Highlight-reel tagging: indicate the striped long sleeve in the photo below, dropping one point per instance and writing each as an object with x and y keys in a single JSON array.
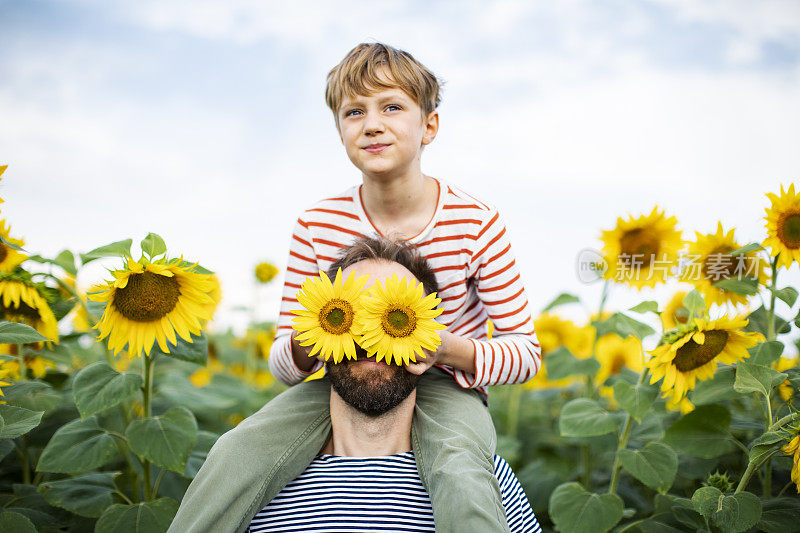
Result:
[{"x": 466, "y": 245}]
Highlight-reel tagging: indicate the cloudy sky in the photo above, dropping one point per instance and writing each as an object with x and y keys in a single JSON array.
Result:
[{"x": 205, "y": 122}]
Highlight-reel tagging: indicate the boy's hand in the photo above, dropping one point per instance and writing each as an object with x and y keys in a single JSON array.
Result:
[
  {"x": 431, "y": 358},
  {"x": 300, "y": 354}
]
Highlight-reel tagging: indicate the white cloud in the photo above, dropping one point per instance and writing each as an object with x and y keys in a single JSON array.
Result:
[{"x": 560, "y": 144}]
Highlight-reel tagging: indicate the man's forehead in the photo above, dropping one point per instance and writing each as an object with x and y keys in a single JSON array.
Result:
[{"x": 378, "y": 269}]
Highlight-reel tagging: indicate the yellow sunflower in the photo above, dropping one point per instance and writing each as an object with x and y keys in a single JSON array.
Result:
[
  {"x": 266, "y": 272},
  {"x": 641, "y": 251},
  {"x": 695, "y": 353},
  {"x": 22, "y": 301},
  {"x": 793, "y": 448},
  {"x": 9, "y": 257},
  {"x": 785, "y": 389},
  {"x": 711, "y": 262},
  {"x": 684, "y": 405},
  {"x": 675, "y": 314},
  {"x": 327, "y": 320},
  {"x": 4, "y": 371},
  {"x": 397, "y": 321},
  {"x": 151, "y": 302},
  {"x": 783, "y": 226},
  {"x": 553, "y": 332},
  {"x": 616, "y": 353}
]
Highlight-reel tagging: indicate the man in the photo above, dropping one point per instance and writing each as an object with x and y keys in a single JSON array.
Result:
[{"x": 365, "y": 478}]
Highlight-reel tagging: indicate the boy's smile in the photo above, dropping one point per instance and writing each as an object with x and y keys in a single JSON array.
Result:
[{"x": 383, "y": 133}]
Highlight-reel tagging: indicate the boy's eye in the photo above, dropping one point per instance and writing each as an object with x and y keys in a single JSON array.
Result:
[
  {"x": 393, "y": 106},
  {"x": 348, "y": 113}
]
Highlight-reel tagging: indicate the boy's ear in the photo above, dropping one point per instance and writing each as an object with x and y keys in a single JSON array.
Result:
[{"x": 431, "y": 127}]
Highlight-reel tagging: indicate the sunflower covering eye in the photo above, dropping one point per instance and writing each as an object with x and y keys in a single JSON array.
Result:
[
  {"x": 394, "y": 322},
  {"x": 397, "y": 321},
  {"x": 328, "y": 319}
]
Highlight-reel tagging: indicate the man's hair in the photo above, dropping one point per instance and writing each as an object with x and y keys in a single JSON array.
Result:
[
  {"x": 383, "y": 249},
  {"x": 359, "y": 74}
]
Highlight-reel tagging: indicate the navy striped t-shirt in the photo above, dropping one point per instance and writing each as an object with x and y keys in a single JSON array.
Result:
[{"x": 365, "y": 494}]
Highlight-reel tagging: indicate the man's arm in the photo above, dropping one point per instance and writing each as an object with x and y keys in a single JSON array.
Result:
[{"x": 288, "y": 361}]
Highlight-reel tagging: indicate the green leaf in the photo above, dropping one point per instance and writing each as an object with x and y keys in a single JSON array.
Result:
[
  {"x": 765, "y": 353},
  {"x": 18, "y": 421},
  {"x": 86, "y": 495},
  {"x": 194, "y": 268},
  {"x": 16, "y": 333},
  {"x": 32, "y": 394},
  {"x": 732, "y": 513},
  {"x": 756, "y": 378},
  {"x": 6, "y": 445},
  {"x": 585, "y": 418},
  {"x": 98, "y": 387},
  {"x": 153, "y": 245},
  {"x": 115, "y": 249},
  {"x": 635, "y": 399},
  {"x": 66, "y": 260},
  {"x": 561, "y": 363},
  {"x": 757, "y": 321},
  {"x": 648, "y": 306},
  {"x": 561, "y": 299},
  {"x": 165, "y": 440},
  {"x": 205, "y": 440},
  {"x": 11, "y": 245},
  {"x": 146, "y": 517},
  {"x": 779, "y": 515},
  {"x": 764, "y": 444},
  {"x": 744, "y": 285},
  {"x": 655, "y": 465},
  {"x": 574, "y": 510},
  {"x": 752, "y": 247},
  {"x": 701, "y": 433},
  {"x": 76, "y": 447},
  {"x": 624, "y": 326},
  {"x": 11, "y": 522},
  {"x": 787, "y": 295},
  {"x": 193, "y": 352},
  {"x": 694, "y": 303},
  {"x": 717, "y": 389}
]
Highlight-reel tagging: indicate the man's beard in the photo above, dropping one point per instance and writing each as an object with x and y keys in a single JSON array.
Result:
[{"x": 372, "y": 391}]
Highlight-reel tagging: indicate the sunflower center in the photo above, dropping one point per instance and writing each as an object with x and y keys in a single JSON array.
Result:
[
  {"x": 789, "y": 230},
  {"x": 3, "y": 252},
  {"x": 617, "y": 363},
  {"x": 399, "y": 321},
  {"x": 719, "y": 264},
  {"x": 638, "y": 248},
  {"x": 24, "y": 313},
  {"x": 147, "y": 297},
  {"x": 336, "y": 316},
  {"x": 692, "y": 355}
]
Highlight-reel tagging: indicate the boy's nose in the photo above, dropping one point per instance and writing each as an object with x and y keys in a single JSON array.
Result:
[{"x": 372, "y": 125}]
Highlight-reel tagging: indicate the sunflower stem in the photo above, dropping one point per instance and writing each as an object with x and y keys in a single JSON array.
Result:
[
  {"x": 22, "y": 452},
  {"x": 624, "y": 435},
  {"x": 513, "y": 411},
  {"x": 23, "y": 369},
  {"x": 146, "y": 412},
  {"x": 752, "y": 468},
  {"x": 158, "y": 482},
  {"x": 771, "y": 312}
]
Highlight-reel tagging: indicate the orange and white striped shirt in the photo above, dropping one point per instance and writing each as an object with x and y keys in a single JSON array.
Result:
[{"x": 467, "y": 246}]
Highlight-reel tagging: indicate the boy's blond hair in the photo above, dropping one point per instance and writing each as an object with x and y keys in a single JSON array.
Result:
[{"x": 358, "y": 74}]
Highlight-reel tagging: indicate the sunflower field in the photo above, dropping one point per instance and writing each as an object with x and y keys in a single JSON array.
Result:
[{"x": 656, "y": 418}]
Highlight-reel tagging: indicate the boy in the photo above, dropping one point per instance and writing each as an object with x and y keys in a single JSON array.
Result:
[{"x": 384, "y": 105}]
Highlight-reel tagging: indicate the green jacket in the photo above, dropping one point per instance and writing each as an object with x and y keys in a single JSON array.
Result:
[{"x": 250, "y": 464}]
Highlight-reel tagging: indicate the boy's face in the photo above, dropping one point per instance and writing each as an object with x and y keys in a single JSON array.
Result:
[{"x": 384, "y": 133}]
